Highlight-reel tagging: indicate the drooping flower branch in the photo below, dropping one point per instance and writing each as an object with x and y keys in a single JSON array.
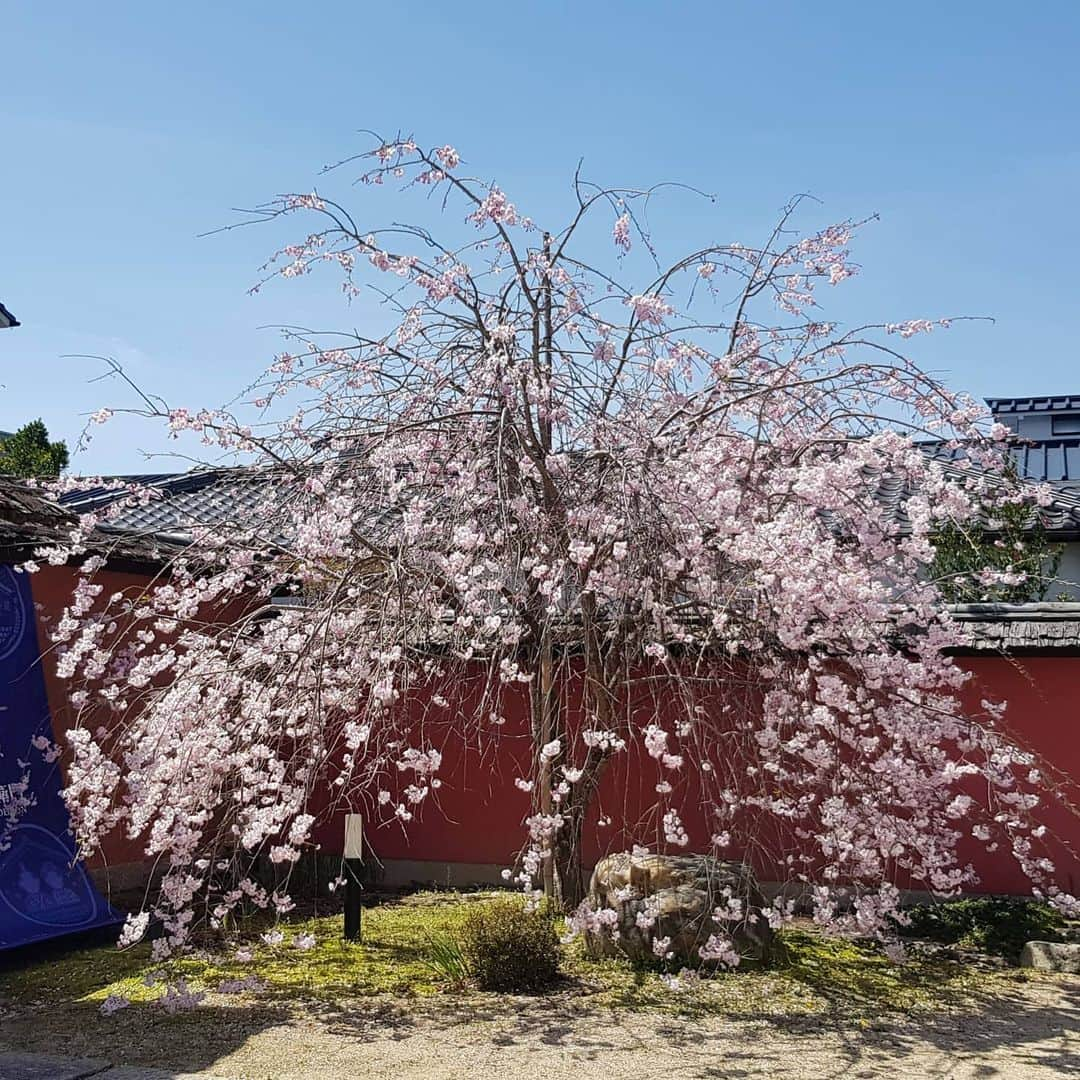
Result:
[{"x": 682, "y": 523}]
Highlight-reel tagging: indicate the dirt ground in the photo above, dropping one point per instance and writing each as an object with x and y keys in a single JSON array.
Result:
[{"x": 1031, "y": 1031}]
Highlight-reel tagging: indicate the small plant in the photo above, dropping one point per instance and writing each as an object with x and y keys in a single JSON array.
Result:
[
  {"x": 997, "y": 925},
  {"x": 446, "y": 959},
  {"x": 509, "y": 945}
]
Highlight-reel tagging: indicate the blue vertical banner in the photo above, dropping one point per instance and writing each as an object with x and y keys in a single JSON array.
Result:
[{"x": 44, "y": 892}]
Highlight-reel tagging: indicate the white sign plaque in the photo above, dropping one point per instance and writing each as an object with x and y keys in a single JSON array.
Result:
[{"x": 354, "y": 836}]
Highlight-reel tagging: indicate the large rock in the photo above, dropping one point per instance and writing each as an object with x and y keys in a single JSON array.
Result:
[
  {"x": 681, "y": 893},
  {"x": 1051, "y": 956}
]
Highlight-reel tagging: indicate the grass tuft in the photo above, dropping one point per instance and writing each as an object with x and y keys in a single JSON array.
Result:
[{"x": 446, "y": 959}]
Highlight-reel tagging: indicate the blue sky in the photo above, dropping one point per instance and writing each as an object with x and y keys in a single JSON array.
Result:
[{"x": 129, "y": 129}]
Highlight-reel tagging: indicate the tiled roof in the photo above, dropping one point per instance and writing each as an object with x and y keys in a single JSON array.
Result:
[
  {"x": 1021, "y": 627},
  {"x": 1040, "y": 403},
  {"x": 30, "y": 519},
  {"x": 1060, "y": 519},
  {"x": 175, "y": 505},
  {"x": 1051, "y": 461},
  {"x": 180, "y": 502},
  {"x": 209, "y": 497}
]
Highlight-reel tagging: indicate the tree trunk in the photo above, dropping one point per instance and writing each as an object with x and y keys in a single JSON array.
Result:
[
  {"x": 573, "y": 879},
  {"x": 564, "y": 875},
  {"x": 548, "y": 725}
]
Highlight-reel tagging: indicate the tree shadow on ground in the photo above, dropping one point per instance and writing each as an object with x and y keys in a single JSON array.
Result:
[
  {"x": 1030, "y": 1019},
  {"x": 1010, "y": 1032},
  {"x": 1004, "y": 1035},
  {"x": 1014, "y": 1033},
  {"x": 1000, "y": 1023},
  {"x": 140, "y": 1035}
]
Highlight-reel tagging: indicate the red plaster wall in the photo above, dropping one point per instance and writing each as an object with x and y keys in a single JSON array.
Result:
[
  {"x": 52, "y": 588},
  {"x": 480, "y": 813},
  {"x": 477, "y": 815},
  {"x": 1043, "y": 715}
]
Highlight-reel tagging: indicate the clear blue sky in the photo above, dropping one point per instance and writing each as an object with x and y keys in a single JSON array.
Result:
[{"x": 130, "y": 128}]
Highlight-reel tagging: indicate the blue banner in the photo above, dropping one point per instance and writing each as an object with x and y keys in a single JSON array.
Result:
[{"x": 43, "y": 892}]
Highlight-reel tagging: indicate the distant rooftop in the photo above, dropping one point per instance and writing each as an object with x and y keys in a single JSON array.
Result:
[
  {"x": 1044, "y": 403},
  {"x": 1042, "y": 461},
  {"x": 1054, "y": 461},
  {"x": 177, "y": 503},
  {"x": 1048, "y": 416}
]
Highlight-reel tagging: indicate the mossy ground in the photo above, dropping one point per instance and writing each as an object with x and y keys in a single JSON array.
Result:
[{"x": 812, "y": 975}]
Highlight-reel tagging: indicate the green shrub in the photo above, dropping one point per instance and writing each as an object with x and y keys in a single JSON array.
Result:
[
  {"x": 998, "y": 925},
  {"x": 510, "y": 946}
]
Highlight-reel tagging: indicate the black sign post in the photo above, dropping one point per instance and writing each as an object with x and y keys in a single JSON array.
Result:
[{"x": 354, "y": 850}]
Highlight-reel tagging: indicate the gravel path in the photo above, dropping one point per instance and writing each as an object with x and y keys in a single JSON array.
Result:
[{"x": 1031, "y": 1032}]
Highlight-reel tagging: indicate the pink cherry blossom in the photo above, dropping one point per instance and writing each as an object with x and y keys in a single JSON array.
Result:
[
  {"x": 621, "y": 232},
  {"x": 633, "y": 530}
]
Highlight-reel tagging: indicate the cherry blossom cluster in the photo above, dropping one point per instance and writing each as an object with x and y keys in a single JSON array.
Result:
[{"x": 648, "y": 512}]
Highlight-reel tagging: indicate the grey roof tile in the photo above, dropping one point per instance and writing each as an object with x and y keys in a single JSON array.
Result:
[
  {"x": 182, "y": 501},
  {"x": 177, "y": 503},
  {"x": 1055, "y": 462},
  {"x": 1015, "y": 627}
]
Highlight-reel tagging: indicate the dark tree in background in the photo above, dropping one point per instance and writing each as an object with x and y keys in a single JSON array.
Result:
[{"x": 28, "y": 453}]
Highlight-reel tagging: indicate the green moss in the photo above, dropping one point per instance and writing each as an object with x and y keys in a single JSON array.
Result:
[
  {"x": 392, "y": 959},
  {"x": 858, "y": 977},
  {"x": 71, "y": 976},
  {"x": 812, "y": 974}
]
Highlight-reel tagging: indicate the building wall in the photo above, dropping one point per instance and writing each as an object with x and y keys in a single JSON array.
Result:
[
  {"x": 473, "y": 826},
  {"x": 1068, "y": 573},
  {"x": 52, "y": 588},
  {"x": 1043, "y": 425},
  {"x": 477, "y": 828},
  {"x": 1043, "y": 715}
]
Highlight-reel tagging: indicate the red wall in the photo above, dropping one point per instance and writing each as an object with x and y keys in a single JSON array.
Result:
[
  {"x": 1043, "y": 715},
  {"x": 480, "y": 814},
  {"x": 52, "y": 590},
  {"x": 477, "y": 815}
]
